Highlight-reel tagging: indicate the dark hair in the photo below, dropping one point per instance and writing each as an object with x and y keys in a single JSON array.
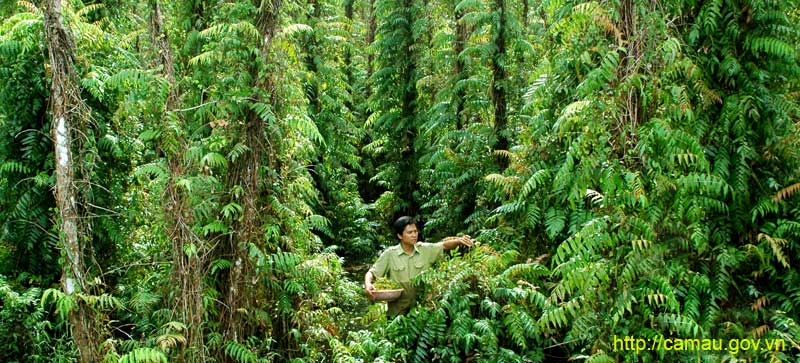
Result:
[{"x": 400, "y": 224}]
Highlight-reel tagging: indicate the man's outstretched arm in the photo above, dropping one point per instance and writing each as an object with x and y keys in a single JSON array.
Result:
[{"x": 453, "y": 242}]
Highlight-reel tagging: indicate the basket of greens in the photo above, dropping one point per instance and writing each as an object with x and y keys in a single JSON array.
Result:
[{"x": 386, "y": 290}]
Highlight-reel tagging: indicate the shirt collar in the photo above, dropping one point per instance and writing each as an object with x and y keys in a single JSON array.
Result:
[{"x": 401, "y": 251}]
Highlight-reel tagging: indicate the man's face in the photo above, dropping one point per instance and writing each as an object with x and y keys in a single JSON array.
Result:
[{"x": 409, "y": 236}]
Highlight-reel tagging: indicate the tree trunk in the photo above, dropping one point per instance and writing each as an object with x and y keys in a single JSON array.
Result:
[
  {"x": 313, "y": 50},
  {"x": 466, "y": 199},
  {"x": 458, "y": 68},
  {"x": 409, "y": 172},
  {"x": 499, "y": 84},
  {"x": 187, "y": 268},
  {"x": 161, "y": 42},
  {"x": 372, "y": 28},
  {"x": 245, "y": 173},
  {"x": 348, "y": 56},
  {"x": 632, "y": 116},
  {"x": 525, "y": 10},
  {"x": 68, "y": 108}
]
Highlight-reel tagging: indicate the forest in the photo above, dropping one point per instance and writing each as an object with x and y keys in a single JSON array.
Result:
[{"x": 208, "y": 181}]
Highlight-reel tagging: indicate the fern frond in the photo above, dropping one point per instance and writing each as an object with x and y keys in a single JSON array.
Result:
[
  {"x": 680, "y": 324},
  {"x": 220, "y": 264},
  {"x": 144, "y": 355},
  {"x": 671, "y": 49},
  {"x": 770, "y": 46},
  {"x": 13, "y": 166},
  {"x": 84, "y": 11},
  {"x": 777, "y": 247},
  {"x": 595, "y": 197},
  {"x": 705, "y": 184},
  {"x": 535, "y": 181},
  {"x": 508, "y": 183},
  {"x": 568, "y": 114},
  {"x": 759, "y": 303},
  {"x": 170, "y": 340},
  {"x": 240, "y": 353},
  {"x": 786, "y": 192},
  {"x": 306, "y": 127},
  {"x": 214, "y": 160},
  {"x": 600, "y": 15},
  {"x": 296, "y": 28},
  {"x": 27, "y": 5},
  {"x": 205, "y": 58},
  {"x": 763, "y": 208}
]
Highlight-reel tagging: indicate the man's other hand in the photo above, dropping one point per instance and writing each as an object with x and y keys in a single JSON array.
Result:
[{"x": 370, "y": 289}]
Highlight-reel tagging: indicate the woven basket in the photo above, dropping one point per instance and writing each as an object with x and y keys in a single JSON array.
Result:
[{"x": 387, "y": 295}]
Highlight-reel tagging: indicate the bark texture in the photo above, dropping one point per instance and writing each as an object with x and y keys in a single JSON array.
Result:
[
  {"x": 458, "y": 68},
  {"x": 69, "y": 112},
  {"x": 632, "y": 39},
  {"x": 498, "y": 84},
  {"x": 241, "y": 297},
  {"x": 187, "y": 268}
]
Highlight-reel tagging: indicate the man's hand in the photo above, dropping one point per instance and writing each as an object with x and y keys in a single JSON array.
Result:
[
  {"x": 368, "y": 287},
  {"x": 370, "y": 290},
  {"x": 453, "y": 242}
]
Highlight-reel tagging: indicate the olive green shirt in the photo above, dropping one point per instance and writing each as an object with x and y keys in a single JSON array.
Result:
[{"x": 401, "y": 268}]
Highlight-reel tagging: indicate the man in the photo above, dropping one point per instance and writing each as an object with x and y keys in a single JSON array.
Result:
[{"x": 406, "y": 260}]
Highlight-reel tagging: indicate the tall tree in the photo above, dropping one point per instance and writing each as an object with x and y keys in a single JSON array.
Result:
[
  {"x": 247, "y": 174},
  {"x": 459, "y": 71},
  {"x": 187, "y": 248},
  {"x": 69, "y": 113},
  {"x": 372, "y": 28},
  {"x": 395, "y": 100},
  {"x": 328, "y": 85},
  {"x": 500, "y": 83}
]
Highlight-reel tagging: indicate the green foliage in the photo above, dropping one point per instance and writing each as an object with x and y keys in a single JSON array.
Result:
[
  {"x": 341, "y": 221},
  {"x": 659, "y": 210},
  {"x": 26, "y": 229},
  {"x": 633, "y": 166},
  {"x": 27, "y": 181},
  {"x": 143, "y": 355},
  {"x": 393, "y": 125},
  {"x": 240, "y": 353},
  {"x": 481, "y": 305},
  {"x": 27, "y": 332}
]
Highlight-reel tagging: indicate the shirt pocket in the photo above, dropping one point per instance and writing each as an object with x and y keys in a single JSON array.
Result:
[{"x": 399, "y": 272}]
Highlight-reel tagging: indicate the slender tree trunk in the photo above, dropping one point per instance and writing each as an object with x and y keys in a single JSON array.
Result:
[
  {"x": 69, "y": 111},
  {"x": 315, "y": 104},
  {"x": 348, "y": 57},
  {"x": 458, "y": 68},
  {"x": 187, "y": 268},
  {"x": 499, "y": 84},
  {"x": 247, "y": 230},
  {"x": 240, "y": 296},
  {"x": 372, "y": 28},
  {"x": 632, "y": 116},
  {"x": 410, "y": 170},
  {"x": 466, "y": 199},
  {"x": 161, "y": 41},
  {"x": 525, "y": 10}
]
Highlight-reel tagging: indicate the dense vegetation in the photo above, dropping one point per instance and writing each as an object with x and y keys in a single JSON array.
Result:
[{"x": 203, "y": 181}]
